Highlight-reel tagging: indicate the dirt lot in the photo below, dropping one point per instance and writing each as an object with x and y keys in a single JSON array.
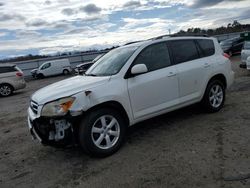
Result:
[{"x": 185, "y": 148}]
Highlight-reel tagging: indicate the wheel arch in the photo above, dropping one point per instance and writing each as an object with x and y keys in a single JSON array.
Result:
[
  {"x": 5, "y": 83},
  {"x": 220, "y": 77},
  {"x": 112, "y": 104}
]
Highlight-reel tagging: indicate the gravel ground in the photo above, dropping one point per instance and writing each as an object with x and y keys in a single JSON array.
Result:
[{"x": 185, "y": 148}]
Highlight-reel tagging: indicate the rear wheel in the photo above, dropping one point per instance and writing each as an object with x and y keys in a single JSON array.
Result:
[
  {"x": 102, "y": 132},
  {"x": 214, "y": 97},
  {"x": 65, "y": 71},
  {"x": 6, "y": 90}
]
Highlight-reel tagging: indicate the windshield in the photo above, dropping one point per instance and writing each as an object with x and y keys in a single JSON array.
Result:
[
  {"x": 226, "y": 42},
  {"x": 112, "y": 62},
  {"x": 247, "y": 45}
]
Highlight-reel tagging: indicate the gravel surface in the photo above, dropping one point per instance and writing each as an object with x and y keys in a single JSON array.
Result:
[{"x": 185, "y": 148}]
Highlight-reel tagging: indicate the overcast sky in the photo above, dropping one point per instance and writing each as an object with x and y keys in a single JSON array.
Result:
[{"x": 49, "y": 26}]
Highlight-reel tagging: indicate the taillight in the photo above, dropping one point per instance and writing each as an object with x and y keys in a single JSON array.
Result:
[
  {"x": 226, "y": 55},
  {"x": 19, "y": 74}
]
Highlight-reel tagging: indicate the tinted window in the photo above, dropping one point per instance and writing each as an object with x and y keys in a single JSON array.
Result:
[
  {"x": 184, "y": 50},
  {"x": 7, "y": 69},
  {"x": 154, "y": 57},
  {"x": 206, "y": 47}
]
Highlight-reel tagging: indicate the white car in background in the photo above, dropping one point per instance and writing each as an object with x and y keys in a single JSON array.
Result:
[
  {"x": 11, "y": 79},
  {"x": 245, "y": 53},
  {"x": 53, "y": 67},
  {"x": 127, "y": 85}
]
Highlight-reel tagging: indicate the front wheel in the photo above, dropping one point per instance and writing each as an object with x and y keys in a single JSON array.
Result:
[
  {"x": 214, "y": 97},
  {"x": 102, "y": 132}
]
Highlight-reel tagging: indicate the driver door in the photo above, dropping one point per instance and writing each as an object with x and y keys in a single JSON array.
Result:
[{"x": 157, "y": 89}]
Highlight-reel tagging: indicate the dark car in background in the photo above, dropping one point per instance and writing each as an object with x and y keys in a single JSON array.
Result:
[
  {"x": 232, "y": 46},
  {"x": 83, "y": 67}
]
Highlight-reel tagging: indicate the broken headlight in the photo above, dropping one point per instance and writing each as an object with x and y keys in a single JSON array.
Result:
[{"x": 58, "y": 108}]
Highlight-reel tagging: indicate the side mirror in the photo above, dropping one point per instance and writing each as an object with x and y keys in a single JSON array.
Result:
[{"x": 139, "y": 69}]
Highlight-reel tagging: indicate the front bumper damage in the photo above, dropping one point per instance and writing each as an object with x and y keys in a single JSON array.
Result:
[{"x": 54, "y": 131}]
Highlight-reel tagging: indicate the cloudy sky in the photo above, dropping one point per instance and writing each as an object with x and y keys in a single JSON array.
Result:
[{"x": 49, "y": 26}]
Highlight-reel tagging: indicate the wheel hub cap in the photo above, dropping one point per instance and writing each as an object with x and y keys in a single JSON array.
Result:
[
  {"x": 105, "y": 132},
  {"x": 5, "y": 90},
  {"x": 216, "y": 96}
]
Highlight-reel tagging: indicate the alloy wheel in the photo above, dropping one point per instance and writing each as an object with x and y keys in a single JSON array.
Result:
[
  {"x": 5, "y": 90},
  {"x": 105, "y": 132},
  {"x": 216, "y": 96}
]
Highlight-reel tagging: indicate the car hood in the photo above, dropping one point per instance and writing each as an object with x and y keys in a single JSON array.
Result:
[
  {"x": 67, "y": 88},
  {"x": 34, "y": 70}
]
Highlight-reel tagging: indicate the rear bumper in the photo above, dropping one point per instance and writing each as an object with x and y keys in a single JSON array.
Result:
[
  {"x": 243, "y": 66},
  {"x": 20, "y": 85}
]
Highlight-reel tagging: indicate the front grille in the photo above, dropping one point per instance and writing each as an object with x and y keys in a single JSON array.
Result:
[{"x": 34, "y": 106}]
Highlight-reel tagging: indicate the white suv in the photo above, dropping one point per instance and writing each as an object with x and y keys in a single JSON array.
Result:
[{"x": 130, "y": 84}]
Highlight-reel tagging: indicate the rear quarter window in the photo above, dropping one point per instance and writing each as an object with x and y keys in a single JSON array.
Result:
[
  {"x": 7, "y": 69},
  {"x": 184, "y": 50},
  {"x": 206, "y": 47}
]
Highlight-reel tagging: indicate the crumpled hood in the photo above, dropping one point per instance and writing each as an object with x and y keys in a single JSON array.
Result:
[{"x": 67, "y": 88}]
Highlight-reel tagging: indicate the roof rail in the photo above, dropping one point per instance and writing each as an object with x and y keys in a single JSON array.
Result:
[
  {"x": 133, "y": 42},
  {"x": 159, "y": 37},
  {"x": 189, "y": 35}
]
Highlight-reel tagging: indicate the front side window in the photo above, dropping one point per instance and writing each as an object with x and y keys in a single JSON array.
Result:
[
  {"x": 45, "y": 66},
  {"x": 112, "y": 62},
  {"x": 154, "y": 57},
  {"x": 184, "y": 50},
  {"x": 206, "y": 47}
]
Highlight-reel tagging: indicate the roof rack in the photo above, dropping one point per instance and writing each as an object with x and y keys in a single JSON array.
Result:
[
  {"x": 189, "y": 35},
  {"x": 133, "y": 42}
]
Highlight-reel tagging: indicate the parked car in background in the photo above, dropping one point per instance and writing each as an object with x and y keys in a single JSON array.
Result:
[
  {"x": 53, "y": 67},
  {"x": 127, "y": 85},
  {"x": 83, "y": 67},
  {"x": 11, "y": 79},
  {"x": 232, "y": 46},
  {"x": 245, "y": 53}
]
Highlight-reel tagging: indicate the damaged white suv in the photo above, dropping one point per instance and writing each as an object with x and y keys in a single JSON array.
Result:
[{"x": 130, "y": 84}]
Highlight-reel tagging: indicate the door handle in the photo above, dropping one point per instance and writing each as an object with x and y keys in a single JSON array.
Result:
[
  {"x": 170, "y": 74},
  {"x": 206, "y": 65}
]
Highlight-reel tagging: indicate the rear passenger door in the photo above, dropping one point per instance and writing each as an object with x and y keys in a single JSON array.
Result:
[
  {"x": 157, "y": 89},
  {"x": 193, "y": 69}
]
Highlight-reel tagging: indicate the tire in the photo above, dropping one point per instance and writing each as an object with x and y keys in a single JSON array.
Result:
[
  {"x": 95, "y": 132},
  {"x": 65, "y": 71},
  {"x": 214, "y": 96},
  {"x": 6, "y": 90},
  {"x": 40, "y": 76}
]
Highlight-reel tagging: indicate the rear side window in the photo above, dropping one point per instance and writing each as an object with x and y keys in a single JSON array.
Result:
[
  {"x": 206, "y": 47},
  {"x": 7, "y": 69},
  {"x": 184, "y": 50},
  {"x": 154, "y": 57}
]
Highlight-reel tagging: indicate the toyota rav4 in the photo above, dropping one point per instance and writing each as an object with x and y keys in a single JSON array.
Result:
[{"x": 130, "y": 84}]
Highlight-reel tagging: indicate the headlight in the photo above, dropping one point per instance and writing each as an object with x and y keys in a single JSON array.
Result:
[{"x": 58, "y": 108}]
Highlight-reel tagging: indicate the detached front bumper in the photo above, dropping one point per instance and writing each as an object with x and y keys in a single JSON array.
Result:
[{"x": 56, "y": 131}]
